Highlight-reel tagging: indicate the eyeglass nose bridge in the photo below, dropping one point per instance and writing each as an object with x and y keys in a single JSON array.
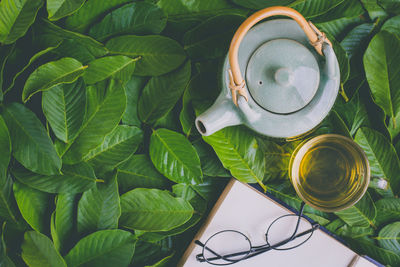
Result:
[{"x": 200, "y": 258}]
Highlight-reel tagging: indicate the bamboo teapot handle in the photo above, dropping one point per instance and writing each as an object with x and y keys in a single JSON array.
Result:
[{"x": 237, "y": 83}]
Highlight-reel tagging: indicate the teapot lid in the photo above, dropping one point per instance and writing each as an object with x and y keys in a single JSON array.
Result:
[{"x": 282, "y": 76}]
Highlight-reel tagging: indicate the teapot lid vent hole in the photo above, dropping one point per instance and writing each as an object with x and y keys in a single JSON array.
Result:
[{"x": 201, "y": 127}]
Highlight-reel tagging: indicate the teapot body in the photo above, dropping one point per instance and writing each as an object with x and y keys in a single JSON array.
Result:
[{"x": 291, "y": 88}]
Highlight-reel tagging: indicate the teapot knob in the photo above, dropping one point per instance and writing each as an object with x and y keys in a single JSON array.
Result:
[{"x": 284, "y": 76}]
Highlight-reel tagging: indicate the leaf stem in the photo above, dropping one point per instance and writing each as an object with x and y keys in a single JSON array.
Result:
[
  {"x": 343, "y": 93},
  {"x": 99, "y": 181}
]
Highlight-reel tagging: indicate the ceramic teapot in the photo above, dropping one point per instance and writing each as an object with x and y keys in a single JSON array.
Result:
[{"x": 291, "y": 77}]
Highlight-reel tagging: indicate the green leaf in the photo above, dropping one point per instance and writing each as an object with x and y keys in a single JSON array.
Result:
[
  {"x": 31, "y": 146},
  {"x": 5, "y": 148},
  {"x": 65, "y": 70},
  {"x": 374, "y": 9},
  {"x": 210, "y": 164},
  {"x": 5, "y": 261},
  {"x": 149, "y": 253},
  {"x": 106, "y": 248},
  {"x": 174, "y": 156},
  {"x": 139, "y": 172},
  {"x": 161, "y": 93},
  {"x": 33, "y": 205},
  {"x": 356, "y": 38},
  {"x": 105, "y": 112},
  {"x": 133, "y": 89},
  {"x": 116, "y": 148},
  {"x": 337, "y": 27},
  {"x": 64, "y": 106},
  {"x": 64, "y": 220},
  {"x": 102, "y": 68},
  {"x": 165, "y": 262},
  {"x": 26, "y": 64},
  {"x": 362, "y": 214},
  {"x": 90, "y": 12},
  {"x": 7, "y": 208},
  {"x": 134, "y": 18},
  {"x": 159, "y": 54},
  {"x": 74, "y": 179},
  {"x": 389, "y": 237},
  {"x": 313, "y": 8},
  {"x": 99, "y": 208},
  {"x": 259, "y": 4},
  {"x": 390, "y": 6},
  {"x": 58, "y": 9},
  {"x": 153, "y": 210},
  {"x": 75, "y": 45},
  {"x": 380, "y": 254},
  {"x": 353, "y": 113},
  {"x": 347, "y": 9},
  {"x": 355, "y": 232},
  {"x": 5, "y": 52},
  {"x": 392, "y": 25},
  {"x": 211, "y": 38},
  {"x": 381, "y": 155},
  {"x": 16, "y": 16},
  {"x": 237, "y": 149},
  {"x": 388, "y": 210},
  {"x": 383, "y": 72},
  {"x": 39, "y": 251},
  {"x": 201, "y": 90}
]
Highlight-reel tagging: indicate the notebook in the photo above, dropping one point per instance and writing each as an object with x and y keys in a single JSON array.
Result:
[{"x": 243, "y": 208}]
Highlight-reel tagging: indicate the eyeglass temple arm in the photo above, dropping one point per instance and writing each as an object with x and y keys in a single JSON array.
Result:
[{"x": 200, "y": 257}]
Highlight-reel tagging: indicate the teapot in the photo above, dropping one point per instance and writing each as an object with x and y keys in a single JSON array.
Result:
[{"x": 291, "y": 77}]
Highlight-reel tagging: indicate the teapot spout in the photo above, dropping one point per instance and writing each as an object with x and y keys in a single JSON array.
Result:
[{"x": 221, "y": 114}]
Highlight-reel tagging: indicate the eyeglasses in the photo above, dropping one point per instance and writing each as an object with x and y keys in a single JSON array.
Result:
[{"x": 216, "y": 252}]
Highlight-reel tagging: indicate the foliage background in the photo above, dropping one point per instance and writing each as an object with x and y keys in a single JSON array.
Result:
[{"x": 100, "y": 163}]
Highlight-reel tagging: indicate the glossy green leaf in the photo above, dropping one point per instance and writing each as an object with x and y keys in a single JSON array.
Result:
[
  {"x": 161, "y": 93},
  {"x": 390, "y": 6},
  {"x": 5, "y": 148},
  {"x": 106, "y": 248},
  {"x": 380, "y": 254},
  {"x": 313, "y": 8},
  {"x": 356, "y": 38},
  {"x": 202, "y": 88},
  {"x": 149, "y": 253},
  {"x": 31, "y": 146},
  {"x": 210, "y": 164},
  {"x": 392, "y": 25},
  {"x": 362, "y": 214},
  {"x": 75, "y": 45},
  {"x": 374, "y": 9},
  {"x": 135, "y": 18},
  {"x": 383, "y": 71},
  {"x": 64, "y": 220},
  {"x": 16, "y": 16},
  {"x": 139, "y": 172},
  {"x": 116, "y": 148},
  {"x": 153, "y": 210},
  {"x": 39, "y": 251},
  {"x": 259, "y": 4},
  {"x": 353, "y": 113},
  {"x": 165, "y": 262},
  {"x": 74, "y": 179},
  {"x": 7, "y": 207},
  {"x": 5, "y": 261},
  {"x": 90, "y": 12},
  {"x": 99, "y": 208},
  {"x": 105, "y": 111},
  {"x": 211, "y": 38},
  {"x": 133, "y": 89},
  {"x": 159, "y": 54},
  {"x": 355, "y": 232},
  {"x": 389, "y": 237},
  {"x": 64, "y": 106},
  {"x": 58, "y": 9},
  {"x": 27, "y": 63},
  {"x": 33, "y": 205},
  {"x": 337, "y": 27},
  {"x": 102, "y": 68},
  {"x": 381, "y": 155},
  {"x": 174, "y": 156},
  {"x": 346, "y": 9},
  {"x": 5, "y": 52},
  {"x": 237, "y": 149},
  {"x": 388, "y": 210},
  {"x": 65, "y": 70}
]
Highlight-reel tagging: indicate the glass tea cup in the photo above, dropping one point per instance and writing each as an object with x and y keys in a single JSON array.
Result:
[{"x": 329, "y": 172}]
